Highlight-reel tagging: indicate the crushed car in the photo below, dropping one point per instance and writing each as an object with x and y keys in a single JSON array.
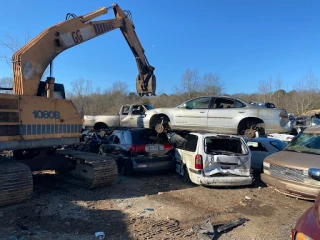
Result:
[
  {"x": 218, "y": 114},
  {"x": 212, "y": 159},
  {"x": 295, "y": 171},
  {"x": 139, "y": 150}
]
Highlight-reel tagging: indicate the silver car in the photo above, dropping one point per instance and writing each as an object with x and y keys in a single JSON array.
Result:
[
  {"x": 218, "y": 114},
  {"x": 262, "y": 147}
]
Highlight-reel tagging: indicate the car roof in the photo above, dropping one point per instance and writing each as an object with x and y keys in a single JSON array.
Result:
[{"x": 205, "y": 134}]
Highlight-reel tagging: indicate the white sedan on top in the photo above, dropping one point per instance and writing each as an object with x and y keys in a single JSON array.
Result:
[{"x": 218, "y": 114}]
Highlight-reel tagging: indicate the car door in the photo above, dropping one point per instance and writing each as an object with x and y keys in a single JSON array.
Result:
[
  {"x": 135, "y": 115},
  {"x": 124, "y": 116},
  {"x": 192, "y": 114},
  {"x": 185, "y": 154},
  {"x": 221, "y": 115}
]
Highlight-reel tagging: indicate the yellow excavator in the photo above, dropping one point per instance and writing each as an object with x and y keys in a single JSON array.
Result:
[{"x": 36, "y": 121}]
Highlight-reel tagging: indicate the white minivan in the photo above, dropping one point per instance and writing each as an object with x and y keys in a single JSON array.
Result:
[{"x": 213, "y": 159}]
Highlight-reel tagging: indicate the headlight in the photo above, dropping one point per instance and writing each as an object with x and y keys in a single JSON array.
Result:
[
  {"x": 266, "y": 165},
  {"x": 314, "y": 173},
  {"x": 301, "y": 236}
]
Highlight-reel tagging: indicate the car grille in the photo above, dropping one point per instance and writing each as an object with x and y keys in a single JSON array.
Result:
[{"x": 290, "y": 174}]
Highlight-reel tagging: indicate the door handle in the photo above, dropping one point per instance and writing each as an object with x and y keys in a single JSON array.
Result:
[{"x": 202, "y": 112}]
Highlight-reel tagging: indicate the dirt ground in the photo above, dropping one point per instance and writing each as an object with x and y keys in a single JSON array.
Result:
[{"x": 148, "y": 206}]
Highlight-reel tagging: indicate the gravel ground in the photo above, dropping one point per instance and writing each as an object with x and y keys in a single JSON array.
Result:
[{"x": 148, "y": 206}]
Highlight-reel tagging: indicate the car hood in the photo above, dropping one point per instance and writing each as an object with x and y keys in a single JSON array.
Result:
[{"x": 302, "y": 161}]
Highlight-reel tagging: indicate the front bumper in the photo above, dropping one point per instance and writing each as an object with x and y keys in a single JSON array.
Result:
[{"x": 293, "y": 189}]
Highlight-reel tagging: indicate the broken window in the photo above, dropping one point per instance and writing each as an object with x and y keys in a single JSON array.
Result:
[
  {"x": 190, "y": 143},
  {"x": 125, "y": 110},
  {"x": 227, "y": 103},
  {"x": 218, "y": 144},
  {"x": 137, "y": 110}
]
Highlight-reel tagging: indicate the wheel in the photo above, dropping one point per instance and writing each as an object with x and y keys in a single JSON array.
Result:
[
  {"x": 251, "y": 132},
  {"x": 161, "y": 124},
  {"x": 125, "y": 168},
  {"x": 159, "y": 128}
]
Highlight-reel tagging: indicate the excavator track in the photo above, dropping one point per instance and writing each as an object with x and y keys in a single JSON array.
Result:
[
  {"x": 16, "y": 184},
  {"x": 91, "y": 170}
]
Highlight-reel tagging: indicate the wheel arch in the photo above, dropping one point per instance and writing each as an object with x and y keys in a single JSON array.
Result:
[
  {"x": 99, "y": 125},
  {"x": 156, "y": 118},
  {"x": 246, "y": 122}
]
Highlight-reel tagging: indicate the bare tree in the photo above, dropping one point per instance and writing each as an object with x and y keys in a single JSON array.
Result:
[
  {"x": 6, "y": 82},
  {"x": 307, "y": 91},
  {"x": 12, "y": 44},
  {"x": 190, "y": 83},
  {"x": 211, "y": 84},
  {"x": 120, "y": 86},
  {"x": 265, "y": 89},
  {"x": 81, "y": 90}
]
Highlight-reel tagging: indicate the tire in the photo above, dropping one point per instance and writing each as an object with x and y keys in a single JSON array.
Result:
[
  {"x": 125, "y": 167},
  {"x": 186, "y": 177}
]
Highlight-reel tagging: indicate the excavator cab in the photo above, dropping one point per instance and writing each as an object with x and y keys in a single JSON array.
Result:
[{"x": 58, "y": 90}]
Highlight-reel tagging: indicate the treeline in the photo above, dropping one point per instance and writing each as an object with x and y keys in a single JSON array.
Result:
[{"x": 304, "y": 96}]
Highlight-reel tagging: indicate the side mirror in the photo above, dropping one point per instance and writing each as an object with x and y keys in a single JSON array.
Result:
[
  {"x": 314, "y": 173},
  {"x": 183, "y": 105}
]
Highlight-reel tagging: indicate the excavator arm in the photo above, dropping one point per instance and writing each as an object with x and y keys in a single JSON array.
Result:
[{"x": 30, "y": 62}]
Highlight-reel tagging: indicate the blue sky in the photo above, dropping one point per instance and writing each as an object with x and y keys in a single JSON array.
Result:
[{"x": 242, "y": 41}]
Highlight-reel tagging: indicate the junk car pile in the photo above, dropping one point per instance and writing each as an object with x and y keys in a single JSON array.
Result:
[{"x": 220, "y": 141}]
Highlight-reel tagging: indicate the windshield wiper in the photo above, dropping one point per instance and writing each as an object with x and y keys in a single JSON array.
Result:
[
  {"x": 291, "y": 150},
  {"x": 310, "y": 152}
]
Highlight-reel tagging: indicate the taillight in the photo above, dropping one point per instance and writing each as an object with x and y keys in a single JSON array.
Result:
[
  {"x": 283, "y": 114},
  {"x": 132, "y": 149},
  {"x": 137, "y": 148},
  {"x": 167, "y": 146},
  {"x": 198, "y": 162}
]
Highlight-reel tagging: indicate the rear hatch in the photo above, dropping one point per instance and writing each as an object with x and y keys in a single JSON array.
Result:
[{"x": 226, "y": 154}]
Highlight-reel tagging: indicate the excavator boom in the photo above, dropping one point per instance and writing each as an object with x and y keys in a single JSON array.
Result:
[{"x": 30, "y": 62}]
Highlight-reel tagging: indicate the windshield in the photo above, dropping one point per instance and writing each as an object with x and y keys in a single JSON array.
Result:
[
  {"x": 148, "y": 107},
  {"x": 280, "y": 145},
  {"x": 306, "y": 143}
]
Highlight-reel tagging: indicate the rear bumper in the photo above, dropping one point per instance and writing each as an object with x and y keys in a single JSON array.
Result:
[
  {"x": 294, "y": 189},
  {"x": 228, "y": 180},
  {"x": 153, "y": 164}
]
